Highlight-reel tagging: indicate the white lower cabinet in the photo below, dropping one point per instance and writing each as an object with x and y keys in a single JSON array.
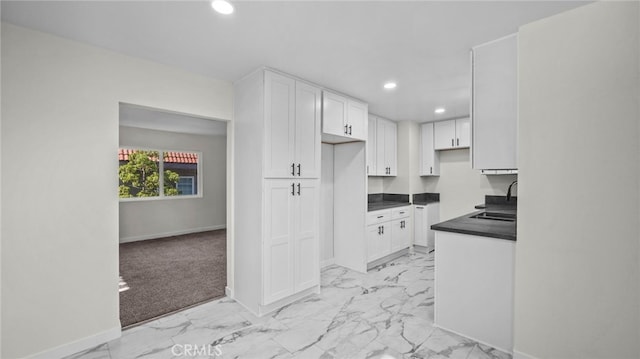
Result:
[
  {"x": 388, "y": 231},
  {"x": 290, "y": 247},
  {"x": 400, "y": 234},
  {"x": 378, "y": 241},
  {"x": 424, "y": 217}
]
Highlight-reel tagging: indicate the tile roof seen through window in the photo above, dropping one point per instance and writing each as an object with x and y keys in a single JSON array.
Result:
[{"x": 171, "y": 157}]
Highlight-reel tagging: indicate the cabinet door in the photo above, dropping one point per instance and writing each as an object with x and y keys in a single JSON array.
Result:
[
  {"x": 494, "y": 104},
  {"x": 391, "y": 147},
  {"x": 381, "y": 137},
  {"x": 357, "y": 120},
  {"x": 373, "y": 242},
  {"x": 463, "y": 132},
  {"x": 279, "y": 108},
  {"x": 307, "y": 130},
  {"x": 371, "y": 147},
  {"x": 429, "y": 161},
  {"x": 334, "y": 114},
  {"x": 378, "y": 241},
  {"x": 278, "y": 243},
  {"x": 420, "y": 226},
  {"x": 400, "y": 235},
  {"x": 444, "y": 134},
  {"x": 306, "y": 234},
  {"x": 432, "y": 217}
]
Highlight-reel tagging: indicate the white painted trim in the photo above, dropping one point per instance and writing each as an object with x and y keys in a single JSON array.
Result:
[
  {"x": 79, "y": 345},
  {"x": 521, "y": 355},
  {"x": 510, "y": 351},
  {"x": 228, "y": 292},
  {"x": 327, "y": 262},
  {"x": 272, "y": 307},
  {"x": 172, "y": 233}
]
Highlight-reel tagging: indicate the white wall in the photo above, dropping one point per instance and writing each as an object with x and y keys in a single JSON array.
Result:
[
  {"x": 577, "y": 257},
  {"x": 60, "y": 230},
  {"x": 160, "y": 218},
  {"x": 461, "y": 187},
  {"x": 326, "y": 205}
]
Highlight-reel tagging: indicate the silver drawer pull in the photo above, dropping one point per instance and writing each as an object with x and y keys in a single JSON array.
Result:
[{"x": 380, "y": 216}]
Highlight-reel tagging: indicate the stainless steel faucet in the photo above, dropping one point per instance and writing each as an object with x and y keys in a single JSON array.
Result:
[{"x": 509, "y": 190}]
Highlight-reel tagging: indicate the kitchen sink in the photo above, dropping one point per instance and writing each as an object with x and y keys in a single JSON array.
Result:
[{"x": 496, "y": 216}]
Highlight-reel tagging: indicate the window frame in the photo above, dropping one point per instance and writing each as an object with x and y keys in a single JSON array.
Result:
[
  {"x": 193, "y": 181},
  {"x": 162, "y": 196}
]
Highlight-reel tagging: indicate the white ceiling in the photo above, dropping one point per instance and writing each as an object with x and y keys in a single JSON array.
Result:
[{"x": 350, "y": 46}]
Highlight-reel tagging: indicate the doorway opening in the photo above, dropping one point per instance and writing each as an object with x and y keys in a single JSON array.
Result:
[{"x": 172, "y": 212}]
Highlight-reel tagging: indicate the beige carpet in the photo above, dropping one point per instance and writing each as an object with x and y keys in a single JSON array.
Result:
[{"x": 168, "y": 274}]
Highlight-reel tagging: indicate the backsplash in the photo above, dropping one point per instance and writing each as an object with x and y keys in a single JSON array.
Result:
[
  {"x": 426, "y": 197},
  {"x": 380, "y": 197}
]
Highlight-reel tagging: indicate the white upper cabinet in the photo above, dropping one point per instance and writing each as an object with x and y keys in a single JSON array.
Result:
[
  {"x": 452, "y": 134},
  {"x": 292, "y": 128},
  {"x": 371, "y": 146},
  {"x": 279, "y": 117},
  {"x": 357, "y": 119},
  {"x": 343, "y": 119},
  {"x": 334, "y": 114},
  {"x": 386, "y": 142},
  {"x": 494, "y": 104},
  {"x": 307, "y": 139},
  {"x": 463, "y": 132},
  {"x": 386, "y": 147},
  {"x": 429, "y": 158}
]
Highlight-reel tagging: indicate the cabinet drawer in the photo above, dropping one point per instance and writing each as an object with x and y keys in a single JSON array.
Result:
[
  {"x": 378, "y": 216},
  {"x": 401, "y": 212}
]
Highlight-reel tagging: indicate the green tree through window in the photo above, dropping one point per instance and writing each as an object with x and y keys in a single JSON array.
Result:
[{"x": 139, "y": 176}]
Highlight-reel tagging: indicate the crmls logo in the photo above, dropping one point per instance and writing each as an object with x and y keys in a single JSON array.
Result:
[{"x": 192, "y": 350}]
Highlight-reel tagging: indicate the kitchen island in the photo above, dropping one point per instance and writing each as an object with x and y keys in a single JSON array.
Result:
[{"x": 474, "y": 274}]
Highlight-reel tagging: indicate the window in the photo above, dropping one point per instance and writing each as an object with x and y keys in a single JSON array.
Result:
[
  {"x": 185, "y": 185},
  {"x": 140, "y": 169}
]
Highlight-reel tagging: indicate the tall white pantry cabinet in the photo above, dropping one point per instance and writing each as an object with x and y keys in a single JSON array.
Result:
[{"x": 277, "y": 169}]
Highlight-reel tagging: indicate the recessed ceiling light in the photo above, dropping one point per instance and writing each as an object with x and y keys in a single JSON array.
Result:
[
  {"x": 222, "y": 6},
  {"x": 439, "y": 110},
  {"x": 390, "y": 85}
]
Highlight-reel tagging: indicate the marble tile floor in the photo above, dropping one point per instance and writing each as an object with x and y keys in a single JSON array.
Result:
[{"x": 386, "y": 313}]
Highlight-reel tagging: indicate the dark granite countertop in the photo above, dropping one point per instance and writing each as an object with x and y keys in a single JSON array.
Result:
[
  {"x": 426, "y": 198},
  {"x": 376, "y": 206},
  {"x": 483, "y": 227}
]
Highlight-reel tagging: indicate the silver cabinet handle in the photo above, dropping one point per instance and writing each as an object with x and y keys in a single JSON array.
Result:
[
  {"x": 293, "y": 169},
  {"x": 379, "y": 230},
  {"x": 346, "y": 129},
  {"x": 457, "y": 142},
  {"x": 298, "y": 189},
  {"x": 452, "y": 143},
  {"x": 430, "y": 170},
  {"x": 299, "y": 169},
  {"x": 350, "y": 133},
  {"x": 382, "y": 229},
  {"x": 293, "y": 189}
]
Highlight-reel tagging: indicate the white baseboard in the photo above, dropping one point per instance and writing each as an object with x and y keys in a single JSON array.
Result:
[
  {"x": 79, "y": 345},
  {"x": 509, "y": 351},
  {"x": 228, "y": 292},
  {"x": 172, "y": 233},
  {"x": 521, "y": 355},
  {"x": 327, "y": 262}
]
